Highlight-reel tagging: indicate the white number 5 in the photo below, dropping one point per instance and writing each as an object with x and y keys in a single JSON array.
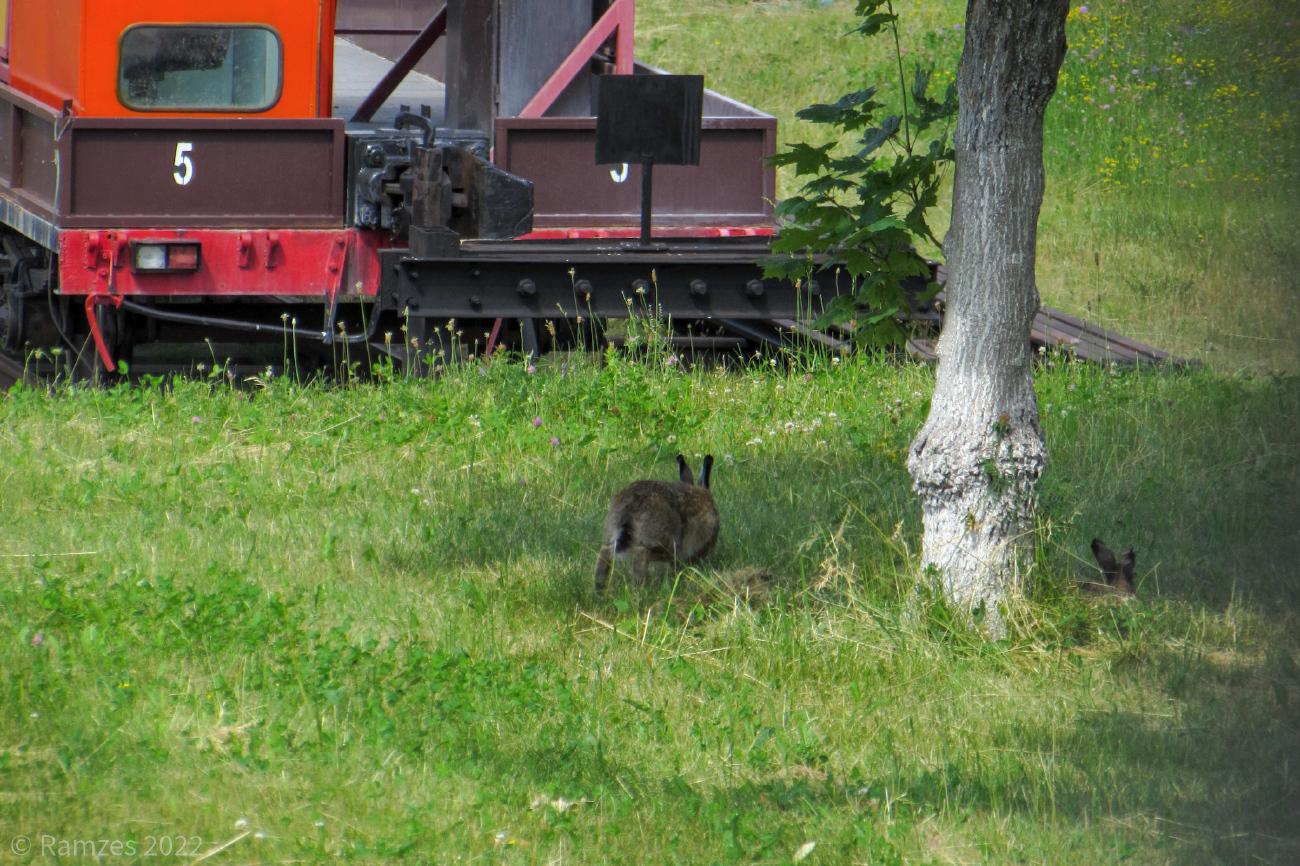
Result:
[{"x": 183, "y": 162}]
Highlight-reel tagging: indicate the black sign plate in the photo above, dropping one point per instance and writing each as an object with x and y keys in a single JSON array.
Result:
[{"x": 649, "y": 118}]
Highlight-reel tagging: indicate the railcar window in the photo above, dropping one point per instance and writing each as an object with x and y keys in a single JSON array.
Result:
[{"x": 200, "y": 68}]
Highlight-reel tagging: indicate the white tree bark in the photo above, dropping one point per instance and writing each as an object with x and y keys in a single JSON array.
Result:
[{"x": 976, "y": 462}]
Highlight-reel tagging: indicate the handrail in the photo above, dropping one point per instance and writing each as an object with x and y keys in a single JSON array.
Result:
[{"x": 419, "y": 47}]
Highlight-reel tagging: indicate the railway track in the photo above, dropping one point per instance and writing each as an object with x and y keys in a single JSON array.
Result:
[
  {"x": 11, "y": 372},
  {"x": 1055, "y": 329}
]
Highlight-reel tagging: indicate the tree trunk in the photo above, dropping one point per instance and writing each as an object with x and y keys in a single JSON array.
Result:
[{"x": 976, "y": 462}]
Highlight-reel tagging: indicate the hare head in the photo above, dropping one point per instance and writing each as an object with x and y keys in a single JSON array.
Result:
[
  {"x": 1118, "y": 575},
  {"x": 660, "y": 521}
]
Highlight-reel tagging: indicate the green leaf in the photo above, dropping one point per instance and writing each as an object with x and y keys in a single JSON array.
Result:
[
  {"x": 886, "y": 223},
  {"x": 920, "y": 83},
  {"x": 874, "y": 24},
  {"x": 805, "y": 158},
  {"x": 874, "y": 138}
]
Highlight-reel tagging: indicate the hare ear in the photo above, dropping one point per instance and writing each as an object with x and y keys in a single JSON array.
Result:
[
  {"x": 706, "y": 469},
  {"x": 683, "y": 470},
  {"x": 1105, "y": 558},
  {"x": 1126, "y": 566}
]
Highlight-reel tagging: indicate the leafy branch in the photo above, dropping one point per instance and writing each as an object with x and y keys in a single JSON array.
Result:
[{"x": 863, "y": 212}]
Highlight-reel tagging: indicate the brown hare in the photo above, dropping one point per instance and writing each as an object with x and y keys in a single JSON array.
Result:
[
  {"x": 1118, "y": 576},
  {"x": 660, "y": 521}
]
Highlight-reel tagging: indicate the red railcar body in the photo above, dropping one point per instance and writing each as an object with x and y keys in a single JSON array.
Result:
[{"x": 186, "y": 155}]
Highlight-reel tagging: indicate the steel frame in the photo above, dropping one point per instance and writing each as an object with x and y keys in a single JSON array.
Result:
[{"x": 559, "y": 279}]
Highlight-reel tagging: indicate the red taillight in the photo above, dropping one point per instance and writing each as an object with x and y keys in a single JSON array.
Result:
[{"x": 183, "y": 257}]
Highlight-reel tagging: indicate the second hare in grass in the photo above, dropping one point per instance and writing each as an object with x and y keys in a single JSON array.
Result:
[
  {"x": 1118, "y": 575},
  {"x": 660, "y": 521}
]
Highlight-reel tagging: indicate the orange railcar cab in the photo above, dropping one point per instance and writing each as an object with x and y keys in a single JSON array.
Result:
[{"x": 82, "y": 50}]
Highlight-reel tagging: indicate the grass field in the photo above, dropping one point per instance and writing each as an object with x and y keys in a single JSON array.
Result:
[
  {"x": 359, "y": 623},
  {"x": 298, "y": 623}
]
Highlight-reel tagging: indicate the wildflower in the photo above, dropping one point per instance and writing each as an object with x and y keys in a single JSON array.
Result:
[
  {"x": 672, "y": 359},
  {"x": 757, "y": 440},
  {"x": 1083, "y": 10},
  {"x": 537, "y": 422},
  {"x": 555, "y": 442},
  {"x": 808, "y": 377},
  {"x": 38, "y": 639},
  {"x": 806, "y": 848},
  {"x": 530, "y": 369},
  {"x": 195, "y": 420},
  {"x": 672, "y": 438}
]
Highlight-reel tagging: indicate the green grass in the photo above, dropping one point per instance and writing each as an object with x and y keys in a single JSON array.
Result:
[
  {"x": 358, "y": 622},
  {"x": 1170, "y": 206}
]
